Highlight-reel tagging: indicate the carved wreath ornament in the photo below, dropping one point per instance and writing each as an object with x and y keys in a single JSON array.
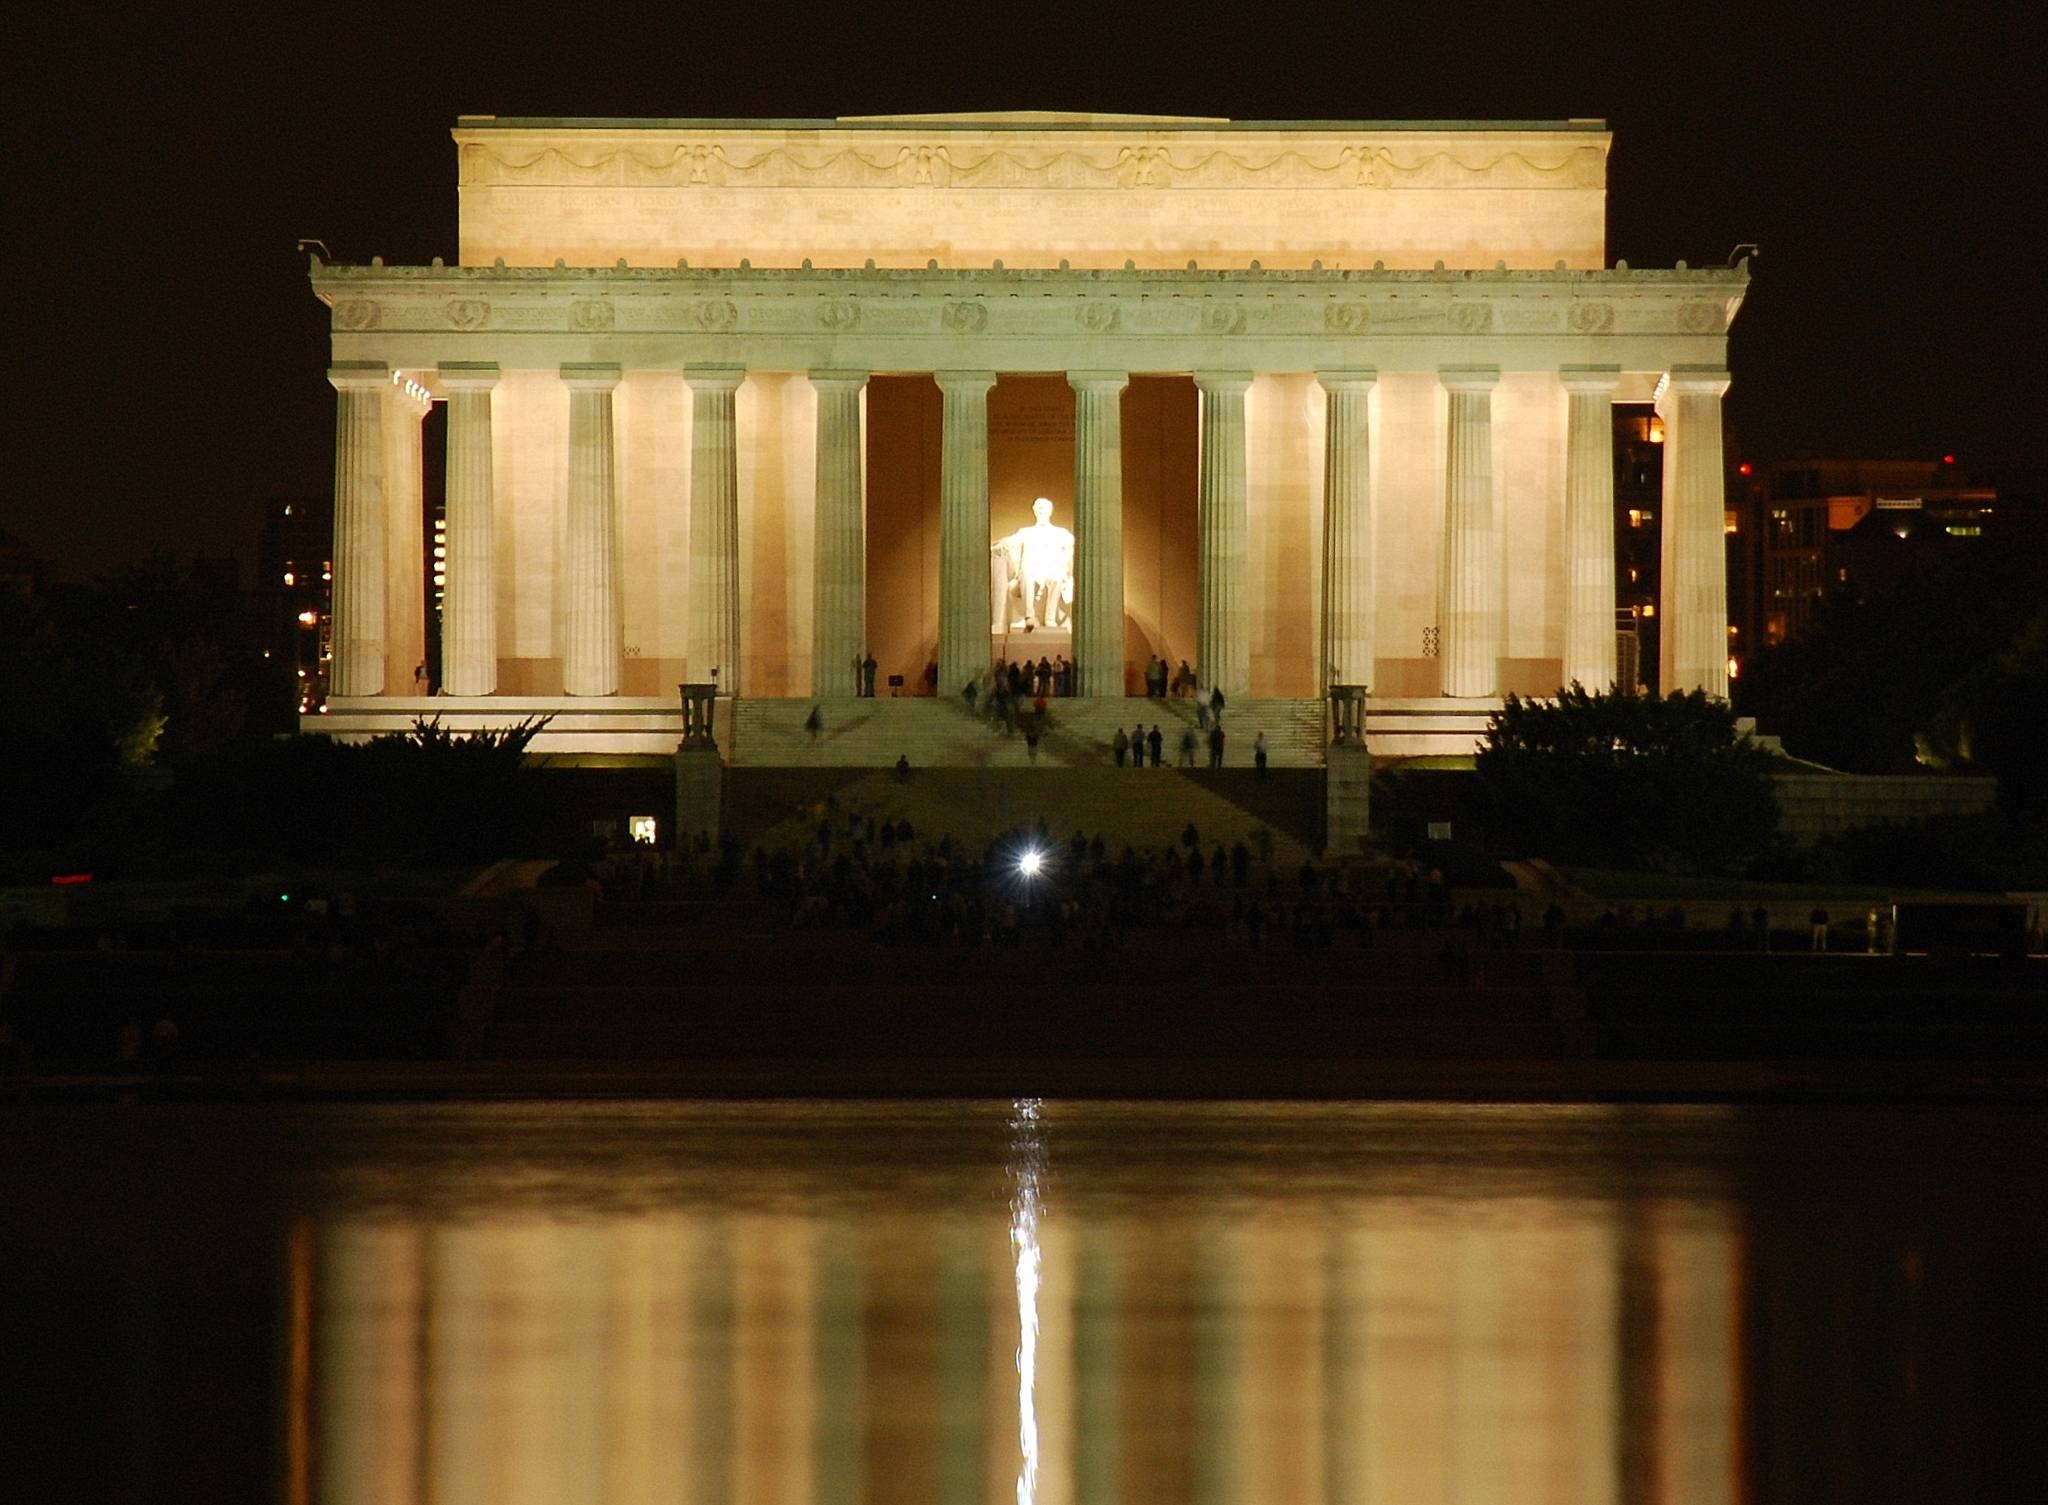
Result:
[
  {"x": 1220, "y": 318},
  {"x": 467, "y": 313},
  {"x": 1471, "y": 318},
  {"x": 1699, "y": 318},
  {"x": 1590, "y": 318},
  {"x": 965, "y": 318},
  {"x": 1098, "y": 318},
  {"x": 590, "y": 315},
  {"x": 716, "y": 315},
  {"x": 1346, "y": 318},
  {"x": 355, "y": 313},
  {"x": 840, "y": 315}
]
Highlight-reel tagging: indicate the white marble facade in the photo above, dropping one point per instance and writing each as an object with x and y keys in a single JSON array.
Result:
[{"x": 659, "y": 347}]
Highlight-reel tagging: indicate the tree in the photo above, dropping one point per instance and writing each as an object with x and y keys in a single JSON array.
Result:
[{"x": 1629, "y": 780}]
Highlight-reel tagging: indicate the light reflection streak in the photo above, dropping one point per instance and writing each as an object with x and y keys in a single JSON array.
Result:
[{"x": 1024, "y": 1212}]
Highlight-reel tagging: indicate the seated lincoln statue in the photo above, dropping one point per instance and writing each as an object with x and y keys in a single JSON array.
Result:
[{"x": 1031, "y": 575}]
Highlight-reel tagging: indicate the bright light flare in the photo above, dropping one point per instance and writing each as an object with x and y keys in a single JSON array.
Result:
[{"x": 1031, "y": 863}]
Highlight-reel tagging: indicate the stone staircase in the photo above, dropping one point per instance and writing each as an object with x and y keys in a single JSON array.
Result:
[
  {"x": 1140, "y": 807},
  {"x": 873, "y": 733}
]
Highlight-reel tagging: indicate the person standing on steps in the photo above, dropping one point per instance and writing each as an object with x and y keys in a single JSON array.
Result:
[
  {"x": 815, "y": 723},
  {"x": 1119, "y": 745},
  {"x": 1156, "y": 743},
  {"x": 867, "y": 674},
  {"x": 1187, "y": 747},
  {"x": 1216, "y": 703},
  {"x": 1138, "y": 745},
  {"x": 1216, "y": 745},
  {"x": 1259, "y": 754}
]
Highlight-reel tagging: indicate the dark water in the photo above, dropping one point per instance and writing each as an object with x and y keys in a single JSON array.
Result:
[{"x": 989, "y": 1303}]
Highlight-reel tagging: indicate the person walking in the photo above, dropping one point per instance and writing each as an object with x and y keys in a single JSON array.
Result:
[
  {"x": 1187, "y": 747},
  {"x": 815, "y": 723},
  {"x": 1216, "y": 745},
  {"x": 1259, "y": 754},
  {"x": 1216, "y": 703}
]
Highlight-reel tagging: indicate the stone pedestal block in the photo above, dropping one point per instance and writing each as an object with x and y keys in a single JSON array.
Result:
[{"x": 1347, "y": 799}]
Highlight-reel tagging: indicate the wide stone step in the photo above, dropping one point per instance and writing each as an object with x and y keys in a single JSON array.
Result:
[{"x": 876, "y": 732}]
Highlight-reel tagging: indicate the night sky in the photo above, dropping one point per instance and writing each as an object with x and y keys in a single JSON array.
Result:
[{"x": 165, "y": 359}]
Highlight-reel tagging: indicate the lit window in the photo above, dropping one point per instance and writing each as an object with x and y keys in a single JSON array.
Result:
[
  {"x": 641, "y": 828},
  {"x": 1728, "y": 524},
  {"x": 1649, "y": 611}
]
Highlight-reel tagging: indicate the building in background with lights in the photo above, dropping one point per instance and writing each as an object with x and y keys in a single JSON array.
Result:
[
  {"x": 295, "y": 591},
  {"x": 1829, "y": 527}
]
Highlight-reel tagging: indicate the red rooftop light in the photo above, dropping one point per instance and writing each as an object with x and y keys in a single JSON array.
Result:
[
  {"x": 1743, "y": 469},
  {"x": 1948, "y": 459}
]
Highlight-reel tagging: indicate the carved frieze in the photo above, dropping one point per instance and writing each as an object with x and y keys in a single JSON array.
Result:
[
  {"x": 840, "y": 313},
  {"x": 1471, "y": 318},
  {"x": 1097, "y": 318},
  {"x": 466, "y": 314},
  {"x": 1347, "y": 318},
  {"x": 591, "y": 315},
  {"x": 1103, "y": 164}
]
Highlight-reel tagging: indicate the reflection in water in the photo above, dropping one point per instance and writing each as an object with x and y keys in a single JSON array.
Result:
[
  {"x": 1026, "y": 1171},
  {"x": 1343, "y": 1341}
]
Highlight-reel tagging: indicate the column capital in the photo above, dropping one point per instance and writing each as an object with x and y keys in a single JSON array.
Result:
[
  {"x": 714, "y": 378},
  {"x": 824, "y": 379},
  {"x": 590, "y": 376},
  {"x": 1710, "y": 381},
  {"x": 1469, "y": 378},
  {"x": 1593, "y": 379},
  {"x": 1359, "y": 379},
  {"x": 1098, "y": 381},
  {"x": 359, "y": 376},
  {"x": 1222, "y": 381},
  {"x": 468, "y": 376},
  {"x": 964, "y": 381}
]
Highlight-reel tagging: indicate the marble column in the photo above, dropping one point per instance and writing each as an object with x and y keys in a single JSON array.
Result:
[
  {"x": 714, "y": 643},
  {"x": 963, "y": 529},
  {"x": 1098, "y": 531},
  {"x": 361, "y": 390},
  {"x": 1469, "y": 603},
  {"x": 1348, "y": 599},
  {"x": 839, "y": 596},
  {"x": 405, "y": 538},
  {"x": 1223, "y": 639},
  {"x": 469, "y": 600},
  {"x": 590, "y": 584},
  {"x": 1589, "y": 525},
  {"x": 1692, "y": 644}
]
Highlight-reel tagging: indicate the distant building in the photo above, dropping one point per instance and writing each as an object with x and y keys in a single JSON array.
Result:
[
  {"x": 1845, "y": 526},
  {"x": 294, "y": 592}
]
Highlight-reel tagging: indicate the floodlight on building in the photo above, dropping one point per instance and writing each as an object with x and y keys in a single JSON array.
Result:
[
  {"x": 289, "y": 578},
  {"x": 308, "y": 618}
]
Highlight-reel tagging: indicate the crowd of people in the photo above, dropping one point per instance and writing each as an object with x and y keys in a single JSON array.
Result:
[{"x": 873, "y": 874}]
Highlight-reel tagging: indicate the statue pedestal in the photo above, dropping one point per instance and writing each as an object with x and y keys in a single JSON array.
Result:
[{"x": 1017, "y": 645}]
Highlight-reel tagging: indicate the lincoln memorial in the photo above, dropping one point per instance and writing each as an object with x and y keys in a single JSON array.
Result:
[{"x": 1312, "y": 404}]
